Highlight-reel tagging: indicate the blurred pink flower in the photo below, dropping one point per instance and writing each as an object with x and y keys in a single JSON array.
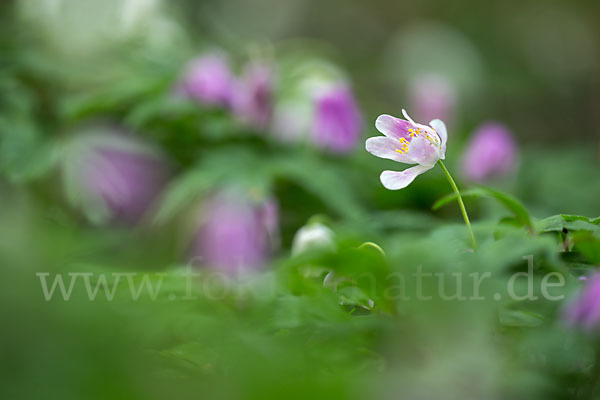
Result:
[
  {"x": 208, "y": 80},
  {"x": 491, "y": 152},
  {"x": 584, "y": 310},
  {"x": 433, "y": 97},
  {"x": 253, "y": 95},
  {"x": 337, "y": 121},
  {"x": 111, "y": 177},
  {"x": 407, "y": 142},
  {"x": 236, "y": 234},
  {"x": 324, "y": 113}
]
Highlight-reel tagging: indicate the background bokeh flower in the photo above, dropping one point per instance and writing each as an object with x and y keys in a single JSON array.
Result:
[
  {"x": 111, "y": 175},
  {"x": 491, "y": 152},
  {"x": 584, "y": 310},
  {"x": 321, "y": 110},
  {"x": 191, "y": 279},
  {"x": 433, "y": 97},
  {"x": 338, "y": 122},
  {"x": 208, "y": 80},
  {"x": 236, "y": 234},
  {"x": 254, "y": 97}
]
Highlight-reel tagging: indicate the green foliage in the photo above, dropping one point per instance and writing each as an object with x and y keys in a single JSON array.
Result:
[
  {"x": 338, "y": 318},
  {"x": 572, "y": 223},
  {"x": 510, "y": 202},
  {"x": 351, "y": 321}
]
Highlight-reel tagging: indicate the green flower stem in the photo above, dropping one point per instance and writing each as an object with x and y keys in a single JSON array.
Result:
[{"x": 460, "y": 202}]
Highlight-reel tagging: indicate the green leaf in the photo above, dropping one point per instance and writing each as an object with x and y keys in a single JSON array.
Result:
[
  {"x": 520, "y": 318},
  {"x": 354, "y": 296},
  {"x": 403, "y": 219},
  {"x": 510, "y": 202},
  {"x": 24, "y": 153},
  {"x": 323, "y": 180},
  {"x": 110, "y": 99},
  {"x": 182, "y": 193},
  {"x": 588, "y": 244},
  {"x": 231, "y": 166},
  {"x": 161, "y": 107},
  {"x": 573, "y": 223}
]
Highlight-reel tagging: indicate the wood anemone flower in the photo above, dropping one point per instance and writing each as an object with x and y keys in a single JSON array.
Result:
[{"x": 407, "y": 142}]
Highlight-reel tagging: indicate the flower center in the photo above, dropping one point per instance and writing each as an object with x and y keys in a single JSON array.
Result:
[
  {"x": 433, "y": 139},
  {"x": 403, "y": 146}
]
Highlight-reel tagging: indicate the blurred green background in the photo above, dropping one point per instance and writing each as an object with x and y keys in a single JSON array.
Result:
[{"x": 69, "y": 68}]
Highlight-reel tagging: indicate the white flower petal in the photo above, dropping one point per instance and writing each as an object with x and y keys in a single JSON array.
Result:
[
  {"x": 385, "y": 147},
  {"x": 439, "y": 126},
  {"x": 394, "y": 180},
  {"x": 423, "y": 152},
  {"x": 408, "y": 118},
  {"x": 393, "y": 127}
]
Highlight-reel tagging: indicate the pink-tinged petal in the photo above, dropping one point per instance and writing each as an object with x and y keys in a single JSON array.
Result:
[
  {"x": 423, "y": 152},
  {"x": 440, "y": 128},
  {"x": 393, "y": 127},
  {"x": 394, "y": 180},
  {"x": 385, "y": 147}
]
